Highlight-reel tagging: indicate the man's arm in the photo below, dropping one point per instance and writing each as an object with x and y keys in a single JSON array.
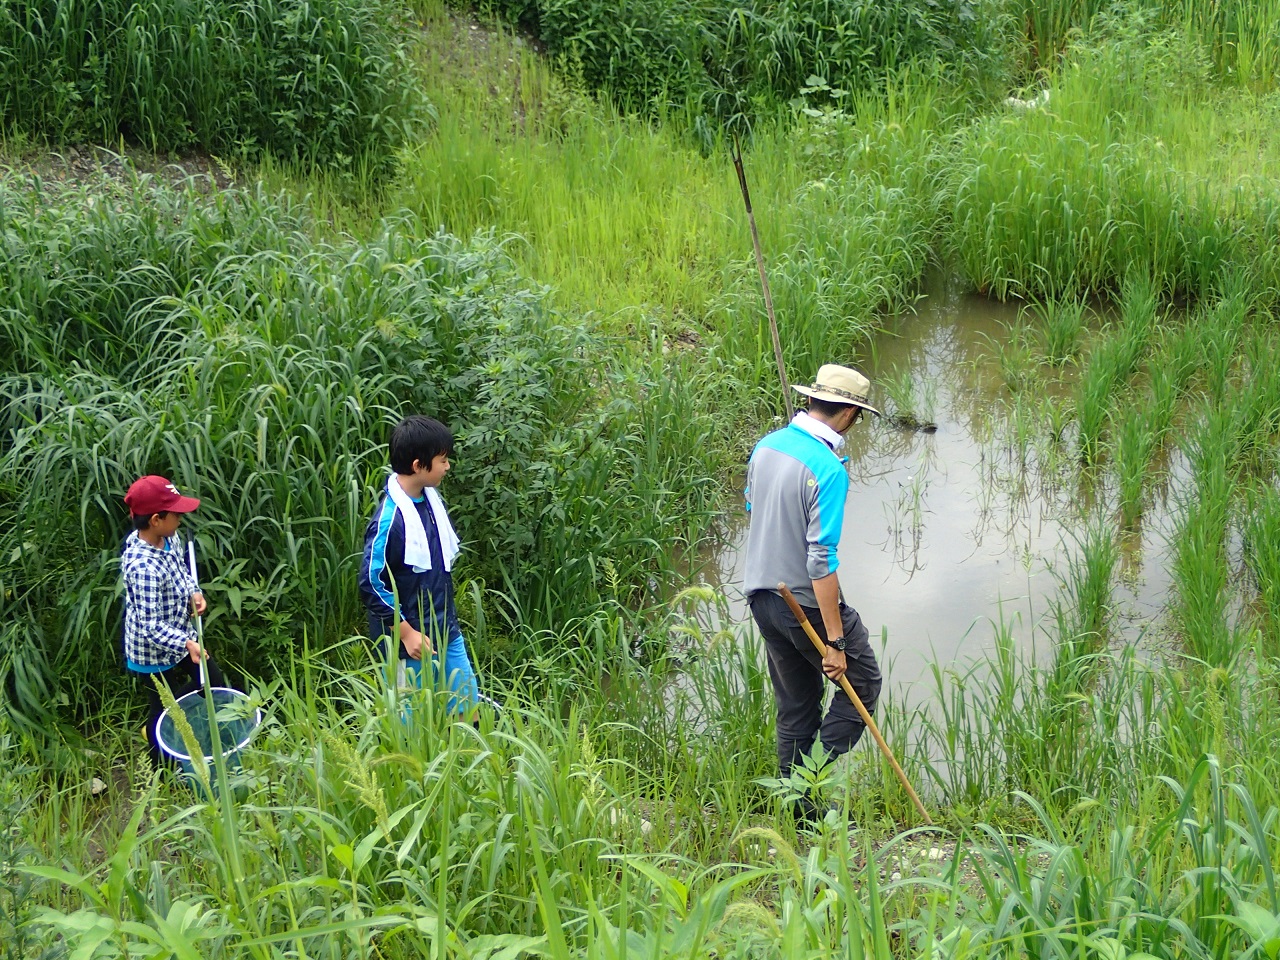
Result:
[{"x": 827, "y": 590}]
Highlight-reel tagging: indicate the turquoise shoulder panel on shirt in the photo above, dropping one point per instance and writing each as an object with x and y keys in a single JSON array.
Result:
[
  {"x": 809, "y": 450},
  {"x": 829, "y": 473}
]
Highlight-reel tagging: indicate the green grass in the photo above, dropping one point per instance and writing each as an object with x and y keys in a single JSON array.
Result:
[
  {"x": 262, "y": 369},
  {"x": 552, "y": 830},
  {"x": 1240, "y": 36},
  {"x": 664, "y": 223},
  {"x": 324, "y": 83},
  {"x": 908, "y": 402},
  {"x": 597, "y": 340}
]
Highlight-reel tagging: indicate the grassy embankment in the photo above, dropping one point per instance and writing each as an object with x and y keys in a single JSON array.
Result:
[{"x": 1134, "y": 803}]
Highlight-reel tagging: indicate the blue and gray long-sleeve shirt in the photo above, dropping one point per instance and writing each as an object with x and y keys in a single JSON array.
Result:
[
  {"x": 426, "y": 597},
  {"x": 796, "y": 490}
]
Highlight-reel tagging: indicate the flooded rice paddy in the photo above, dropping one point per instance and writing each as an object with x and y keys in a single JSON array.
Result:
[{"x": 950, "y": 534}]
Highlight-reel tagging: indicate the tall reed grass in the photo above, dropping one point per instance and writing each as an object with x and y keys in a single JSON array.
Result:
[
  {"x": 1069, "y": 197},
  {"x": 738, "y": 63},
  {"x": 324, "y": 83},
  {"x": 1050, "y": 24},
  {"x": 1241, "y": 37},
  {"x": 262, "y": 369}
]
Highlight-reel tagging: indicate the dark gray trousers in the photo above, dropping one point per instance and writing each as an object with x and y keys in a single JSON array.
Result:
[{"x": 795, "y": 666}]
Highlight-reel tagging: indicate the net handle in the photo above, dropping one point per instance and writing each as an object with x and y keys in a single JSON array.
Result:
[{"x": 191, "y": 563}]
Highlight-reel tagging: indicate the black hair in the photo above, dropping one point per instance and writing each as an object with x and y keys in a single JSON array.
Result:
[
  {"x": 828, "y": 408},
  {"x": 141, "y": 521},
  {"x": 418, "y": 438}
]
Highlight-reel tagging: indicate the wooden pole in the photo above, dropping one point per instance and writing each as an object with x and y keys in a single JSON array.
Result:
[{"x": 764, "y": 280}]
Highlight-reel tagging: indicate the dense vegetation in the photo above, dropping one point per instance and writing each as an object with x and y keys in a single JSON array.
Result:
[
  {"x": 316, "y": 81},
  {"x": 596, "y": 340},
  {"x": 743, "y": 61},
  {"x": 728, "y": 60},
  {"x": 217, "y": 343}
]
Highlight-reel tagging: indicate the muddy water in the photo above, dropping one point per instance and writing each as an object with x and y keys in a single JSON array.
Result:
[{"x": 949, "y": 535}]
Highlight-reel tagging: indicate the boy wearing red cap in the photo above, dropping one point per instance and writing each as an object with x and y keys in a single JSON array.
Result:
[{"x": 161, "y": 596}]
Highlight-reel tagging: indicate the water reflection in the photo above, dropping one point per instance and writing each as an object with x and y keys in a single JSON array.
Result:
[{"x": 948, "y": 534}]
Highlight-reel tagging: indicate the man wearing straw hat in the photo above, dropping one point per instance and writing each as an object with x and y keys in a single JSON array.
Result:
[{"x": 796, "y": 489}]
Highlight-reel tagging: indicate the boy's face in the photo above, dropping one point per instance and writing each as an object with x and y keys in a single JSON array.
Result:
[
  {"x": 166, "y": 525},
  {"x": 433, "y": 474}
]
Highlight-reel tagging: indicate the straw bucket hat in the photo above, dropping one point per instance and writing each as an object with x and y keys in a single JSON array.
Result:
[{"x": 838, "y": 384}]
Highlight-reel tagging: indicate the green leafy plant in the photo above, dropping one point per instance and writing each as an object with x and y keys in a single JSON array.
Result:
[{"x": 318, "y": 83}]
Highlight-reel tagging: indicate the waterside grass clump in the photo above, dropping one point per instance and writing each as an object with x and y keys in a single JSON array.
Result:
[{"x": 1066, "y": 198}]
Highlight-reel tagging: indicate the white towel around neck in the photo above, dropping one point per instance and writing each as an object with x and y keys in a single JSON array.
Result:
[{"x": 417, "y": 549}]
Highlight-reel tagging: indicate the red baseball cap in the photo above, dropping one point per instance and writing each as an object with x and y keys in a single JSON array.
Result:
[{"x": 154, "y": 494}]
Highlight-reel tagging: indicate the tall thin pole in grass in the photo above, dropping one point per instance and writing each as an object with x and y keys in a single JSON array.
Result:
[{"x": 764, "y": 280}]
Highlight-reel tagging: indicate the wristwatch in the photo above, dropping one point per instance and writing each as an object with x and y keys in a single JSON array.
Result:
[{"x": 838, "y": 643}]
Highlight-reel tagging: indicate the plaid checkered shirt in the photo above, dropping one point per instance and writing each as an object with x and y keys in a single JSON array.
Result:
[{"x": 157, "y": 607}]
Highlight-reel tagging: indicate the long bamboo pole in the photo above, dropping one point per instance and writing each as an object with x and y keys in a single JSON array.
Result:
[
  {"x": 764, "y": 280},
  {"x": 857, "y": 702}
]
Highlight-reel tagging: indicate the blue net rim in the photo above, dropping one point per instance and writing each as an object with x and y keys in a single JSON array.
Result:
[{"x": 179, "y": 754}]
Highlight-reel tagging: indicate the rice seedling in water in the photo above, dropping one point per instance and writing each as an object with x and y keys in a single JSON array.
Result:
[
  {"x": 1094, "y": 399},
  {"x": 1220, "y": 329},
  {"x": 1089, "y": 588},
  {"x": 1200, "y": 566},
  {"x": 908, "y": 403},
  {"x": 1139, "y": 304},
  {"x": 1083, "y": 617},
  {"x": 1017, "y": 357},
  {"x": 1063, "y": 325},
  {"x": 1134, "y": 444},
  {"x": 1112, "y": 363}
]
